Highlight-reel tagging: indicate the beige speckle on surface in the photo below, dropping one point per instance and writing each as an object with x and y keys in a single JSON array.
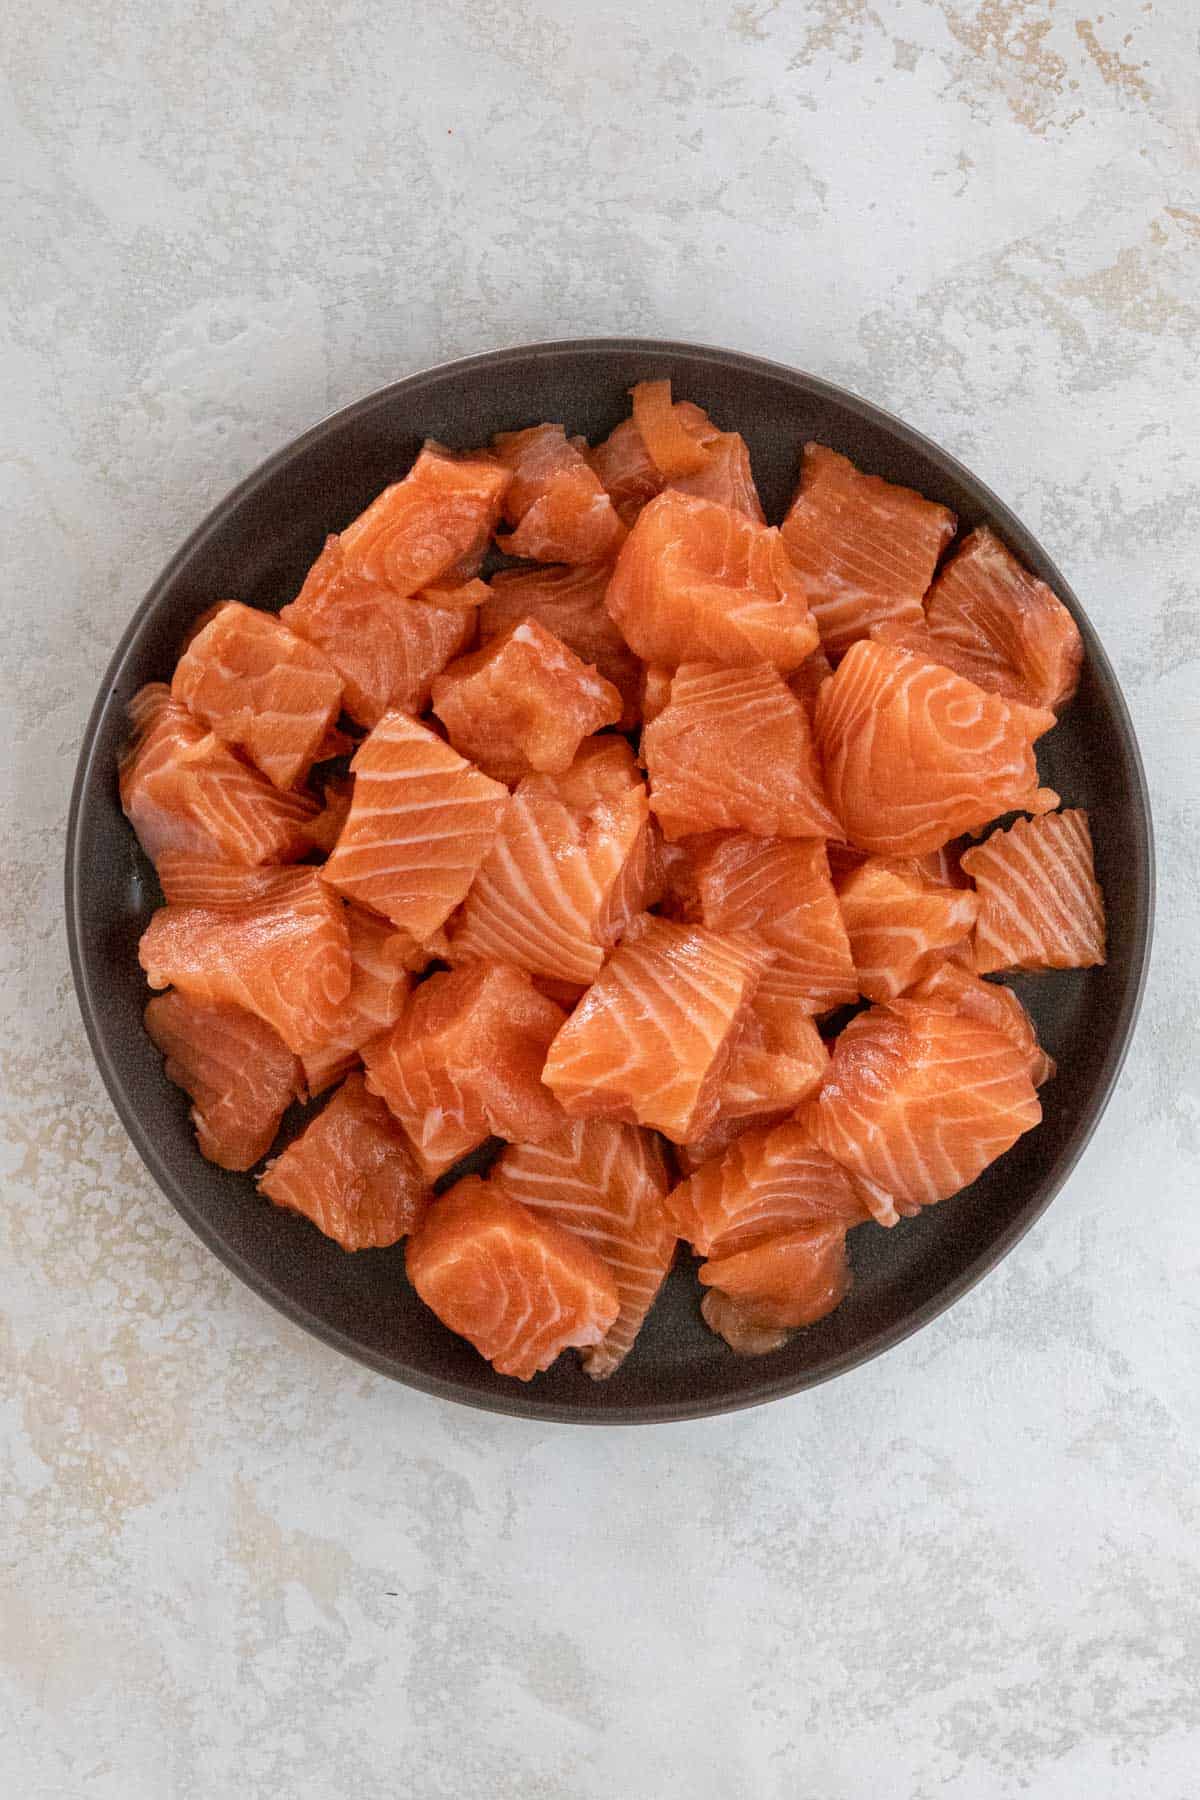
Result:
[
  {"x": 232, "y": 1564},
  {"x": 1126, "y": 77}
]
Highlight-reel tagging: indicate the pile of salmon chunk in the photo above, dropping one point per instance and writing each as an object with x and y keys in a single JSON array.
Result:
[{"x": 572, "y": 811}]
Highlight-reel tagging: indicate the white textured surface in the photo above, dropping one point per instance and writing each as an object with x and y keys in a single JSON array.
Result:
[{"x": 236, "y": 1565}]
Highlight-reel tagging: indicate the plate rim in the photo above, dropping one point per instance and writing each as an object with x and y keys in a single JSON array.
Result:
[{"x": 523, "y": 1402}]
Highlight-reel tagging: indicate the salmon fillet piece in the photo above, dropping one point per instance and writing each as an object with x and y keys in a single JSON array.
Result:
[
  {"x": 517, "y": 1286},
  {"x": 183, "y": 789},
  {"x": 605, "y": 1182},
  {"x": 952, "y": 985},
  {"x": 726, "y": 477},
  {"x": 733, "y": 750},
  {"x": 865, "y": 548},
  {"x": 421, "y": 822},
  {"x": 351, "y": 1173},
  {"x": 697, "y": 581},
  {"x": 651, "y": 1040},
  {"x": 570, "y": 604},
  {"x": 768, "y": 1183},
  {"x": 787, "y": 1281},
  {"x": 284, "y": 957},
  {"x": 778, "y": 1060},
  {"x": 902, "y": 923},
  {"x": 624, "y": 466},
  {"x": 566, "y": 872},
  {"x": 920, "y": 1100},
  {"x": 555, "y": 501},
  {"x": 1040, "y": 903},
  {"x": 386, "y": 650},
  {"x": 523, "y": 704},
  {"x": 1013, "y": 630},
  {"x": 262, "y": 689},
  {"x": 722, "y": 473},
  {"x": 914, "y": 755},
  {"x": 380, "y": 961},
  {"x": 464, "y": 1062},
  {"x": 434, "y": 522},
  {"x": 239, "y": 1073},
  {"x": 382, "y": 958},
  {"x": 673, "y": 444},
  {"x": 779, "y": 890}
]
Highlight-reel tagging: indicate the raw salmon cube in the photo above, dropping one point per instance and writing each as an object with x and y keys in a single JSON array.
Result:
[
  {"x": 570, "y": 604},
  {"x": 561, "y": 880},
  {"x": 523, "y": 703},
  {"x": 464, "y": 1062},
  {"x": 284, "y": 957},
  {"x": 605, "y": 1182},
  {"x": 952, "y": 985},
  {"x": 914, "y": 755},
  {"x": 1040, "y": 904},
  {"x": 386, "y": 650},
  {"x": 421, "y": 822},
  {"x": 239, "y": 1073},
  {"x": 382, "y": 957},
  {"x": 261, "y": 688},
  {"x": 784, "y": 1282},
  {"x": 652, "y": 1039},
  {"x": 734, "y": 750},
  {"x": 769, "y": 1182},
  {"x": 919, "y": 1100},
  {"x": 515, "y": 1285},
  {"x": 1013, "y": 630},
  {"x": 901, "y": 923},
  {"x": 183, "y": 789},
  {"x": 419, "y": 529},
  {"x": 555, "y": 501},
  {"x": 696, "y": 580},
  {"x": 351, "y": 1172},
  {"x": 865, "y": 549},
  {"x": 779, "y": 890}
]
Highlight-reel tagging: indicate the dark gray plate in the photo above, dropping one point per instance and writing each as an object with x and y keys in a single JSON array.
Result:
[{"x": 257, "y": 545}]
